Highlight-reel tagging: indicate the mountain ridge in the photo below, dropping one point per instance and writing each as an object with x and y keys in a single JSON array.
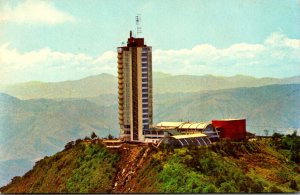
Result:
[{"x": 95, "y": 85}]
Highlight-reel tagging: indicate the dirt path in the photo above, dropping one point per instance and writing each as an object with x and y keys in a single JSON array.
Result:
[{"x": 132, "y": 159}]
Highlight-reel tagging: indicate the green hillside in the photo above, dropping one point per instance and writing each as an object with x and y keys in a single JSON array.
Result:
[
  {"x": 11, "y": 168},
  {"x": 263, "y": 165},
  {"x": 163, "y": 83},
  {"x": 84, "y": 169}
]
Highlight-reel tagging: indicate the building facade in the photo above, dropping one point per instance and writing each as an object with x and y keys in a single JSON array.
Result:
[{"x": 135, "y": 89}]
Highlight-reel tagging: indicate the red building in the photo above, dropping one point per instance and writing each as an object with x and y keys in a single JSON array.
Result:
[{"x": 234, "y": 129}]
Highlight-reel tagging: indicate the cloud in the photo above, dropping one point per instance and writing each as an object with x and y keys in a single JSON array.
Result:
[
  {"x": 34, "y": 12},
  {"x": 279, "y": 40},
  {"x": 278, "y": 56},
  {"x": 47, "y": 65}
]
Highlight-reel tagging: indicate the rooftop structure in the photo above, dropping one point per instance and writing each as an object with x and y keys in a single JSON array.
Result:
[{"x": 189, "y": 128}]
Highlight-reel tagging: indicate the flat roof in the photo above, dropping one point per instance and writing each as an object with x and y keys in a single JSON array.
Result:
[
  {"x": 169, "y": 124},
  {"x": 183, "y": 125},
  {"x": 189, "y": 136},
  {"x": 111, "y": 140},
  {"x": 189, "y": 125},
  {"x": 229, "y": 119}
]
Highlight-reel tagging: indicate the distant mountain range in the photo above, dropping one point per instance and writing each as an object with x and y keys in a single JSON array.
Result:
[
  {"x": 86, "y": 87},
  {"x": 163, "y": 83},
  {"x": 31, "y": 129},
  {"x": 272, "y": 107},
  {"x": 190, "y": 83},
  {"x": 43, "y": 126},
  {"x": 34, "y": 127}
]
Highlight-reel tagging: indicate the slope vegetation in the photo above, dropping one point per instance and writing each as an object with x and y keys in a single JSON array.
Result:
[
  {"x": 85, "y": 168},
  {"x": 88, "y": 167}
]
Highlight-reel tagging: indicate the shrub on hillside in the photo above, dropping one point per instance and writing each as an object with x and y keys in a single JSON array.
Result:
[
  {"x": 78, "y": 141},
  {"x": 290, "y": 143},
  {"x": 95, "y": 170},
  {"x": 93, "y": 135},
  {"x": 69, "y": 145},
  {"x": 293, "y": 185}
]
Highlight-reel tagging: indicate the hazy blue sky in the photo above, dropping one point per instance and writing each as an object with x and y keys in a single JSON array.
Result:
[{"x": 61, "y": 40}]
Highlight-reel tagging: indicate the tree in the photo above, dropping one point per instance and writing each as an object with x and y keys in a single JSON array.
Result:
[
  {"x": 266, "y": 132},
  {"x": 275, "y": 189},
  {"x": 93, "y": 135},
  {"x": 293, "y": 185},
  {"x": 110, "y": 136},
  {"x": 228, "y": 187},
  {"x": 295, "y": 149},
  {"x": 78, "y": 141},
  {"x": 277, "y": 136},
  {"x": 210, "y": 188},
  {"x": 69, "y": 145}
]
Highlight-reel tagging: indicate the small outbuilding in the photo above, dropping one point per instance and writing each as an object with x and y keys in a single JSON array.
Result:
[{"x": 233, "y": 129}]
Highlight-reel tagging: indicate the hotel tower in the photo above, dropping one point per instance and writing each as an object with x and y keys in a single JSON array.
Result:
[{"x": 135, "y": 89}]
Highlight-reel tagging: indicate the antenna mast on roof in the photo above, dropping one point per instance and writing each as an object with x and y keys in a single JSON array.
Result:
[{"x": 138, "y": 25}]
